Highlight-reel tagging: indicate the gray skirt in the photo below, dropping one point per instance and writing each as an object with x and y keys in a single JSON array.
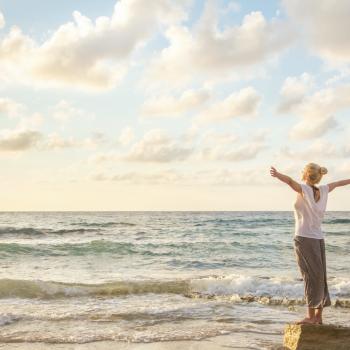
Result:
[{"x": 311, "y": 258}]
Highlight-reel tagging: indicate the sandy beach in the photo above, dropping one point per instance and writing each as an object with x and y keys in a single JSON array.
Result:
[{"x": 216, "y": 343}]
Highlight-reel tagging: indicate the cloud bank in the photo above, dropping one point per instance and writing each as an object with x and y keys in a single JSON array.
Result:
[
  {"x": 85, "y": 53},
  {"x": 325, "y": 26},
  {"x": 207, "y": 50}
]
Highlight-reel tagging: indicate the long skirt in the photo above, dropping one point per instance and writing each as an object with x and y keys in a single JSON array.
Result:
[{"x": 311, "y": 258}]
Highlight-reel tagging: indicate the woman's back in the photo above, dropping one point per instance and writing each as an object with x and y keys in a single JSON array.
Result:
[{"x": 309, "y": 211}]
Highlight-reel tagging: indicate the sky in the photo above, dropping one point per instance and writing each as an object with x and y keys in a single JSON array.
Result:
[{"x": 171, "y": 105}]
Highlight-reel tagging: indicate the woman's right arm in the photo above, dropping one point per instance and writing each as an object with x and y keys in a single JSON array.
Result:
[
  {"x": 286, "y": 179},
  {"x": 335, "y": 184}
]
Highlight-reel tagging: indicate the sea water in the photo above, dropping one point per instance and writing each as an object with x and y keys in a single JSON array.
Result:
[{"x": 143, "y": 277}]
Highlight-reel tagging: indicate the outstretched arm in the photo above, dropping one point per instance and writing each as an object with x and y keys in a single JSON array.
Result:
[
  {"x": 286, "y": 179},
  {"x": 333, "y": 185}
]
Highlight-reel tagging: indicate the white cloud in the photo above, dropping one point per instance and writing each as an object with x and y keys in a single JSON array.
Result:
[
  {"x": 293, "y": 91},
  {"x": 64, "y": 111},
  {"x": 103, "y": 157},
  {"x": 317, "y": 111},
  {"x": 207, "y": 50},
  {"x": 312, "y": 127},
  {"x": 214, "y": 138},
  {"x": 242, "y": 103},
  {"x": 54, "y": 141},
  {"x": 26, "y": 136},
  {"x": 229, "y": 177},
  {"x": 343, "y": 169},
  {"x": 166, "y": 176},
  {"x": 32, "y": 121},
  {"x": 16, "y": 52},
  {"x": 232, "y": 6},
  {"x": 190, "y": 134},
  {"x": 10, "y": 107},
  {"x": 238, "y": 152},
  {"x": 169, "y": 106},
  {"x": 326, "y": 101},
  {"x": 341, "y": 75},
  {"x": 126, "y": 136},
  {"x": 261, "y": 135},
  {"x": 221, "y": 177},
  {"x": 2, "y": 20},
  {"x": 18, "y": 140},
  {"x": 320, "y": 149},
  {"x": 84, "y": 53},
  {"x": 25, "y": 120},
  {"x": 325, "y": 25},
  {"x": 228, "y": 147},
  {"x": 157, "y": 146},
  {"x": 92, "y": 142}
]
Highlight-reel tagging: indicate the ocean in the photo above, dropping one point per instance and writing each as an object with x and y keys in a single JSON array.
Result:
[{"x": 151, "y": 277}]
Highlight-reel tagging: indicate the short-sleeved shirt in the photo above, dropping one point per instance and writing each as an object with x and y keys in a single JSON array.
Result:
[{"x": 308, "y": 213}]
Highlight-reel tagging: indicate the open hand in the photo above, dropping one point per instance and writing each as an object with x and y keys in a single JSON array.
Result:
[{"x": 273, "y": 171}]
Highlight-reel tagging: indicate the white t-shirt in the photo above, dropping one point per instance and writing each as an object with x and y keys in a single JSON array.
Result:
[{"x": 308, "y": 213}]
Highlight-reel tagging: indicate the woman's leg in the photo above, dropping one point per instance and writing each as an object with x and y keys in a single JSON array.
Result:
[
  {"x": 311, "y": 312},
  {"x": 326, "y": 298},
  {"x": 310, "y": 318},
  {"x": 314, "y": 316},
  {"x": 308, "y": 256},
  {"x": 318, "y": 315}
]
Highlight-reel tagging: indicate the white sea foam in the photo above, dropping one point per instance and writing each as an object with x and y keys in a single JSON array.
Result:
[
  {"x": 275, "y": 290},
  {"x": 8, "y": 319},
  {"x": 245, "y": 285}
]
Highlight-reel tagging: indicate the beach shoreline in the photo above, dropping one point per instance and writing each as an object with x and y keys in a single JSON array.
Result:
[
  {"x": 214, "y": 343},
  {"x": 139, "y": 281}
]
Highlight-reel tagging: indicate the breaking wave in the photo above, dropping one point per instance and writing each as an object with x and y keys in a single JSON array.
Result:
[
  {"x": 103, "y": 224},
  {"x": 83, "y": 227},
  {"x": 239, "y": 288},
  {"x": 75, "y": 249},
  {"x": 29, "y": 231},
  {"x": 338, "y": 221}
]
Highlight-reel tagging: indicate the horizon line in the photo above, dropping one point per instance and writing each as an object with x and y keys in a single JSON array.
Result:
[{"x": 139, "y": 211}]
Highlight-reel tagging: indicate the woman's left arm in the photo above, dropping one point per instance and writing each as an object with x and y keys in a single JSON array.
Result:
[
  {"x": 286, "y": 179},
  {"x": 333, "y": 185}
]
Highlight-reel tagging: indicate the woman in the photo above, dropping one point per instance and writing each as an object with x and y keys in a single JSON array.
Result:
[{"x": 309, "y": 243}]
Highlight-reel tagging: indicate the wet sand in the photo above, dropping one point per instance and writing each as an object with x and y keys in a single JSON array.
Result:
[{"x": 215, "y": 343}]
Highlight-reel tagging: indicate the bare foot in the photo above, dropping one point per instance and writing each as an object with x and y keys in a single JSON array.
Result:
[
  {"x": 318, "y": 320},
  {"x": 308, "y": 320}
]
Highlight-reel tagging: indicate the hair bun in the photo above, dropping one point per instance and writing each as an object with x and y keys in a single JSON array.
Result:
[{"x": 323, "y": 170}]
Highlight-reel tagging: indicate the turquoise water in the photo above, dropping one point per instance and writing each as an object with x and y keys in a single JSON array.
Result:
[{"x": 153, "y": 276}]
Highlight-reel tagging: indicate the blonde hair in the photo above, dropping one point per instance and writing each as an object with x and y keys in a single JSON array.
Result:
[{"x": 313, "y": 173}]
